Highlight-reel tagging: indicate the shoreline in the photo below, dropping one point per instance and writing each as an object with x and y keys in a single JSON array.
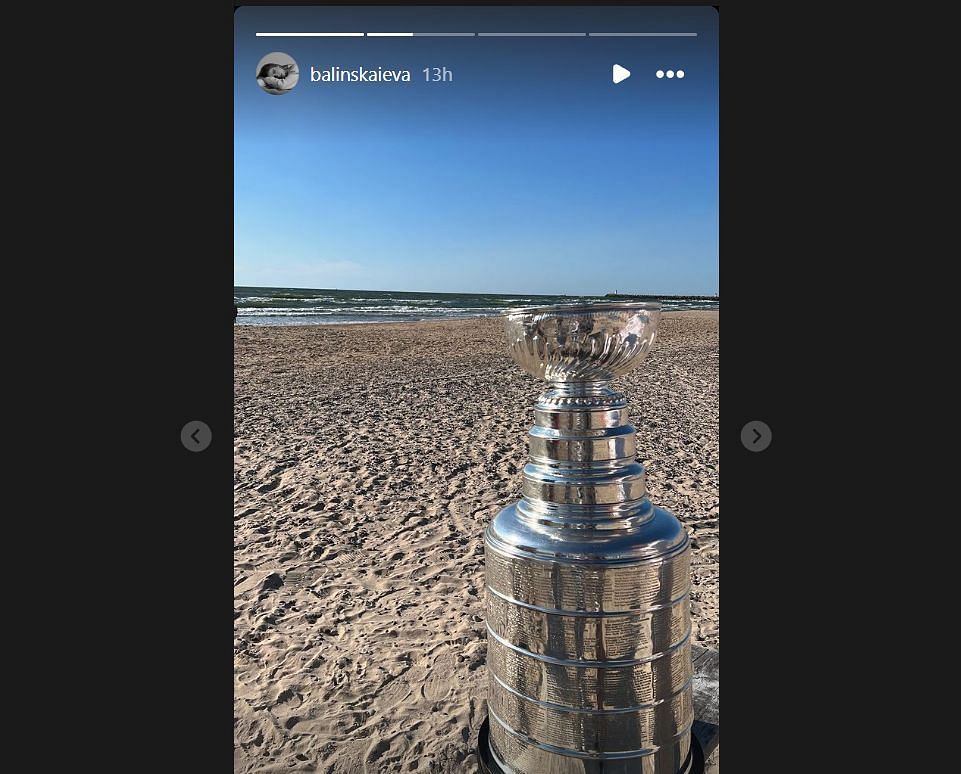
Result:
[{"x": 432, "y": 321}]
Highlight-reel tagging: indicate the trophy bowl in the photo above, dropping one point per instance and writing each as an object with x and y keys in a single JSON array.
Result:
[{"x": 581, "y": 342}]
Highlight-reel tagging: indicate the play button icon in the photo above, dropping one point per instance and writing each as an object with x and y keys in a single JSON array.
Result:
[{"x": 620, "y": 73}]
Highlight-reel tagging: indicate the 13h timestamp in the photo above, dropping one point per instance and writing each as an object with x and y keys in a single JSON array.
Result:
[{"x": 437, "y": 74}]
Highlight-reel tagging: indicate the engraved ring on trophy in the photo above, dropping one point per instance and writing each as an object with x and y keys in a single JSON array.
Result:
[{"x": 588, "y": 583}]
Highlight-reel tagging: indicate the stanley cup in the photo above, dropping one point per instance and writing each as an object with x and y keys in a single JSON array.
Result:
[{"x": 588, "y": 610}]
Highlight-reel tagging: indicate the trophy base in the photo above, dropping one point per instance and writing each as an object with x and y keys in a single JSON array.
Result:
[{"x": 488, "y": 764}]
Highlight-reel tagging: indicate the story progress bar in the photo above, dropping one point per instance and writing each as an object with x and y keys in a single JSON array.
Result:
[{"x": 476, "y": 34}]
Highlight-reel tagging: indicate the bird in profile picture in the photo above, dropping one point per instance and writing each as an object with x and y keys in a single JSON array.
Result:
[{"x": 277, "y": 78}]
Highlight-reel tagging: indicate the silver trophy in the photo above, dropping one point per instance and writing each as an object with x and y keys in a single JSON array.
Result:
[{"x": 588, "y": 607}]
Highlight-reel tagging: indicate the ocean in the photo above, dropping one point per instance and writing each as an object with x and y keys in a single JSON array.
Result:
[{"x": 302, "y": 306}]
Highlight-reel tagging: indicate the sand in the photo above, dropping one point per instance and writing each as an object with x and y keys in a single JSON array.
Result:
[{"x": 368, "y": 460}]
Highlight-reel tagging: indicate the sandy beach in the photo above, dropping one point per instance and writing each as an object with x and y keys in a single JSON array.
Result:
[{"x": 368, "y": 460}]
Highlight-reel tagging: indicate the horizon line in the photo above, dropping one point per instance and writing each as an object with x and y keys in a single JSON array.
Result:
[{"x": 483, "y": 292}]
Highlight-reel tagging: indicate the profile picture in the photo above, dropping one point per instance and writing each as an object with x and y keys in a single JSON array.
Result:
[{"x": 277, "y": 73}]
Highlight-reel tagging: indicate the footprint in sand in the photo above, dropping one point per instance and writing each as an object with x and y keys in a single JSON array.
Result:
[
  {"x": 393, "y": 693},
  {"x": 436, "y": 687}
]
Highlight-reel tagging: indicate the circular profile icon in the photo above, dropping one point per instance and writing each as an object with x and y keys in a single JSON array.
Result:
[{"x": 277, "y": 73}]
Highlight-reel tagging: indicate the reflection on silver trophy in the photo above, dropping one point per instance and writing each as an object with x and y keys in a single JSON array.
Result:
[{"x": 588, "y": 610}]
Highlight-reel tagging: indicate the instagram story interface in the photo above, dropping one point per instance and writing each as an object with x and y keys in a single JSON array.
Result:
[{"x": 404, "y": 176}]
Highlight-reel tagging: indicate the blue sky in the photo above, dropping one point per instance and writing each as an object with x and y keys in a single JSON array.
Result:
[{"x": 532, "y": 172}]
